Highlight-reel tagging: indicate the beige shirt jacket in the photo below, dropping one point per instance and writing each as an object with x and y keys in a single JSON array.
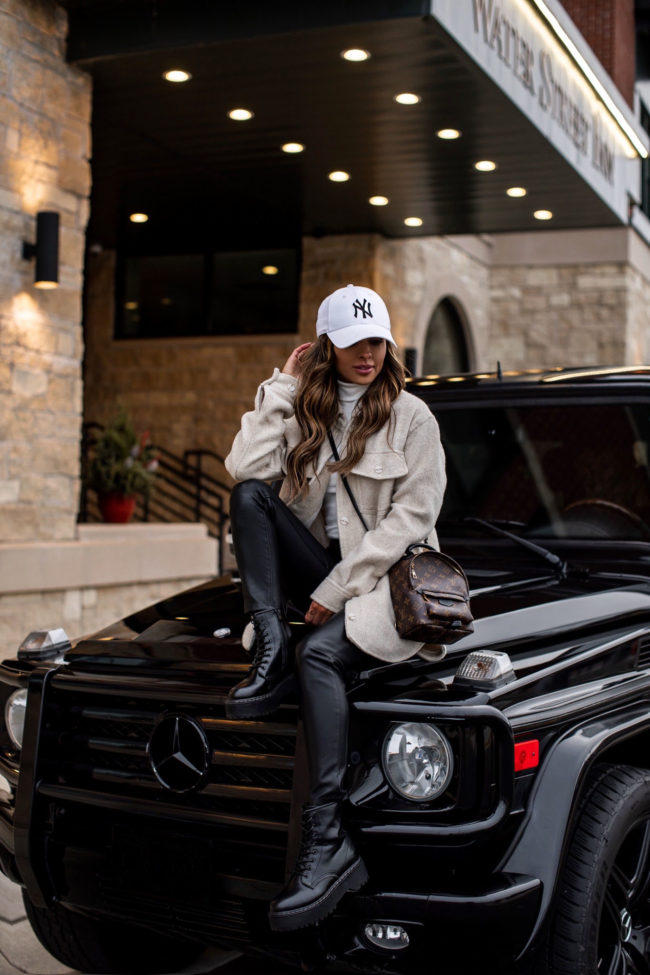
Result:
[{"x": 398, "y": 484}]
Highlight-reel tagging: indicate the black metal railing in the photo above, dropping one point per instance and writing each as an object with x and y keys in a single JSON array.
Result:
[{"x": 183, "y": 490}]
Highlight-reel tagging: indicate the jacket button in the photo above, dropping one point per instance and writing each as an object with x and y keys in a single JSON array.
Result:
[
  {"x": 378, "y": 470},
  {"x": 351, "y": 616},
  {"x": 292, "y": 389},
  {"x": 344, "y": 521}
]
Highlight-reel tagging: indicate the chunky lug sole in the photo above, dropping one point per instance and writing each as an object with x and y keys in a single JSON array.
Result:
[
  {"x": 256, "y": 707},
  {"x": 302, "y": 917}
]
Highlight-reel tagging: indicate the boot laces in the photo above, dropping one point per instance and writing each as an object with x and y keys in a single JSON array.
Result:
[
  {"x": 308, "y": 848},
  {"x": 263, "y": 643}
]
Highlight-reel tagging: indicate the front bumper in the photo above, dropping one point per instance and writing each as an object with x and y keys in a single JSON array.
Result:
[
  {"x": 93, "y": 829},
  {"x": 465, "y": 927}
]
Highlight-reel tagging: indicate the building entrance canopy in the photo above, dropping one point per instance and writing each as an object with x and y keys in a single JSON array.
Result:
[{"x": 513, "y": 77}]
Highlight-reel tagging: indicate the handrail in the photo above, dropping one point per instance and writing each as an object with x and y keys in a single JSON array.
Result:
[{"x": 182, "y": 491}]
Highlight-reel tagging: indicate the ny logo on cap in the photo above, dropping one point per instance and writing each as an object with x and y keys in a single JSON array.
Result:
[{"x": 363, "y": 307}]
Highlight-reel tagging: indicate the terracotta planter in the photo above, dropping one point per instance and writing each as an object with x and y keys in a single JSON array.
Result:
[{"x": 116, "y": 508}]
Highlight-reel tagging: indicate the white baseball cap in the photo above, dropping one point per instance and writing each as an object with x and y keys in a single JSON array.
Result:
[{"x": 352, "y": 314}]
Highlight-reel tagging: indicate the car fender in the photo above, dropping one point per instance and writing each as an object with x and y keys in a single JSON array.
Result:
[{"x": 539, "y": 848}]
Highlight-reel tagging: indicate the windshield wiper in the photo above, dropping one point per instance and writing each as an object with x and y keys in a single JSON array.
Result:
[{"x": 558, "y": 564}]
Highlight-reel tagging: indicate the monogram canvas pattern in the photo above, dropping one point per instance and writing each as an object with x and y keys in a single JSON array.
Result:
[{"x": 430, "y": 597}]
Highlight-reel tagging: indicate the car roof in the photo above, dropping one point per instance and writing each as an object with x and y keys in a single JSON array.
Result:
[{"x": 508, "y": 379}]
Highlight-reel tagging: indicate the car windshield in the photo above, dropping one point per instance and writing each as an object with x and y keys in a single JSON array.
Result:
[{"x": 557, "y": 471}]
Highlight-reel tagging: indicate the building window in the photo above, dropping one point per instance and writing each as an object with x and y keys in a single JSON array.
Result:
[
  {"x": 224, "y": 293},
  {"x": 445, "y": 349},
  {"x": 645, "y": 165}
]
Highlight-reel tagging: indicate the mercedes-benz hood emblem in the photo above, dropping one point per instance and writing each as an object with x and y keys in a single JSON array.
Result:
[{"x": 179, "y": 753}]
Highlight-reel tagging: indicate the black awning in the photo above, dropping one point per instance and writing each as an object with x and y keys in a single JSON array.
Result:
[{"x": 173, "y": 152}]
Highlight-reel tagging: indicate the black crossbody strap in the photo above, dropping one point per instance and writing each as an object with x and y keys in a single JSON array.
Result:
[{"x": 345, "y": 482}]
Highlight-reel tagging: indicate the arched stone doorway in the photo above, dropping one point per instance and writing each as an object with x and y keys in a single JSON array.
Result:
[{"x": 445, "y": 347}]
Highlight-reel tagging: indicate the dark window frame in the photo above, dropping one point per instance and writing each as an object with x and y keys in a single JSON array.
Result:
[{"x": 124, "y": 255}]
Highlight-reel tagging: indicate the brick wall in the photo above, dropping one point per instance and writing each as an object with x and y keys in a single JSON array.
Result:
[
  {"x": 191, "y": 393},
  {"x": 44, "y": 148},
  {"x": 608, "y": 28}
]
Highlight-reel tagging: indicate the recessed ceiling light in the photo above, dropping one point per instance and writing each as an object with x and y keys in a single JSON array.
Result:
[
  {"x": 293, "y": 147},
  {"x": 485, "y": 166},
  {"x": 448, "y": 134},
  {"x": 355, "y": 54},
  {"x": 339, "y": 176},
  {"x": 516, "y": 191},
  {"x": 131, "y": 305},
  {"x": 270, "y": 269},
  {"x": 407, "y": 98},
  {"x": 378, "y": 201},
  {"x": 138, "y": 217},
  {"x": 240, "y": 114},
  {"x": 177, "y": 76},
  {"x": 413, "y": 221},
  {"x": 543, "y": 214}
]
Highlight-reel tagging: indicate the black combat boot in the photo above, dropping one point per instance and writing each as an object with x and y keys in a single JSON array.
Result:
[
  {"x": 328, "y": 866},
  {"x": 271, "y": 676}
]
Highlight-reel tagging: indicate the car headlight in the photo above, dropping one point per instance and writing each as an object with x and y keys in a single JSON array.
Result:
[
  {"x": 15, "y": 710},
  {"x": 418, "y": 761}
]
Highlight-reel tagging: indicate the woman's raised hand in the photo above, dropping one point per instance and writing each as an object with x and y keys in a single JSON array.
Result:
[{"x": 292, "y": 366}]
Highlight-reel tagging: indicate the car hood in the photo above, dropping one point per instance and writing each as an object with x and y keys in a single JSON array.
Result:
[{"x": 202, "y": 627}]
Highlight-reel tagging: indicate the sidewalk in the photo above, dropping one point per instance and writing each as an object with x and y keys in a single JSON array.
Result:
[{"x": 22, "y": 954}]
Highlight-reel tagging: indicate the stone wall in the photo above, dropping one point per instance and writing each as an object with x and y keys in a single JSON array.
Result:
[
  {"x": 570, "y": 298},
  {"x": 79, "y": 611},
  {"x": 107, "y": 573},
  {"x": 416, "y": 274},
  {"x": 555, "y": 316},
  {"x": 45, "y": 109},
  {"x": 638, "y": 317}
]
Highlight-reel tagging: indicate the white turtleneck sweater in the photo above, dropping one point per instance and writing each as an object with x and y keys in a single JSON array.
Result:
[{"x": 349, "y": 396}]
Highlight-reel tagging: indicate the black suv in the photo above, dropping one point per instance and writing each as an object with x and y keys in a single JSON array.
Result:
[{"x": 500, "y": 796}]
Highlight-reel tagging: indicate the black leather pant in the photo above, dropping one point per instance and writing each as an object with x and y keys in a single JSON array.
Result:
[{"x": 280, "y": 560}]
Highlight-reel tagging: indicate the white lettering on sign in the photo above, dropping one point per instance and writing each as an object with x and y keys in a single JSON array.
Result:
[
  {"x": 548, "y": 82},
  {"x": 504, "y": 38},
  {"x": 554, "y": 98}
]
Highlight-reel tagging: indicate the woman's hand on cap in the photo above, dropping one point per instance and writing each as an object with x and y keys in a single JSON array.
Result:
[
  {"x": 292, "y": 366},
  {"x": 317, "y": 614}
]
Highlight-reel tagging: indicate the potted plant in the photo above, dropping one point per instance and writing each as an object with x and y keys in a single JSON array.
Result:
[{"x": 122, "y": 467}]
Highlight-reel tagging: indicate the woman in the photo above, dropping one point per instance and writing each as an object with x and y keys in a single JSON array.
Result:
[{"x": 309, "y": 546}]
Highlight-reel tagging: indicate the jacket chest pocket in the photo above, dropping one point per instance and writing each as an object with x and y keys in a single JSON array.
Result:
[{"x": 381, "y": 465}]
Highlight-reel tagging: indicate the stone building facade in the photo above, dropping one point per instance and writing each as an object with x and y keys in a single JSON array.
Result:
[
  {"x": 45, "y": 147},
  {"x": 44, "y": 165},
  {"x": 527, "y": 300}
]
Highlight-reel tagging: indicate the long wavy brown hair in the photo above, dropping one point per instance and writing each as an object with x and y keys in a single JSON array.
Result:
[{"x": 317, "y": 407}]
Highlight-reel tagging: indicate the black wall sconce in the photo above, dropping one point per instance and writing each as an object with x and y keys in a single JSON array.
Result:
[{"x": 45, "y": 250}]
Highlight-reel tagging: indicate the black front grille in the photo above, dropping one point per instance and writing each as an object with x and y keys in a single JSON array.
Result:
[
  {"x": 96, "y": 731},
  {"x": 225, "y": 923},
  {"x": 643, "y": 659}
]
